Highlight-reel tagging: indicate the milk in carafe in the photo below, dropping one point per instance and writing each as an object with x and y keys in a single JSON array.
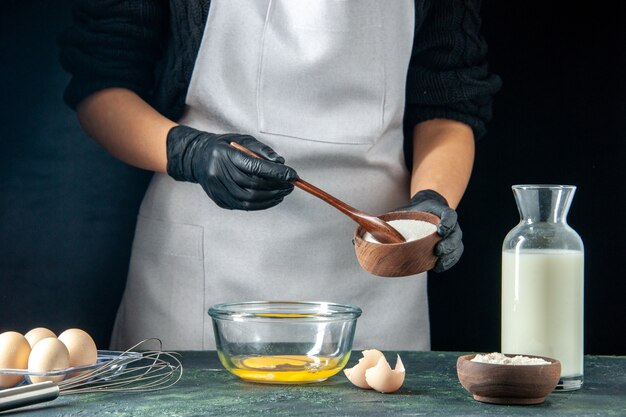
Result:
[
  {"x": 543, "y": 282},
  {"x": 543, "y": 311}
]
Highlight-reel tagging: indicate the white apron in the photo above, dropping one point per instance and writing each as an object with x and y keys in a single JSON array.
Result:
[{"x": 323, "y": 83}]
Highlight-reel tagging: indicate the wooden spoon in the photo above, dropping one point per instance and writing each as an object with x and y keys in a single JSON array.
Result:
[{"x": 380, "y": 229}]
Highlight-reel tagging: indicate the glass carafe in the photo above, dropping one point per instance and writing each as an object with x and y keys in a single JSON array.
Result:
[{"x": 542, "y": 282}]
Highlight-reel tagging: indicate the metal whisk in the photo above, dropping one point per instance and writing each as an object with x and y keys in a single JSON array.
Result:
[{"x": 141, "y": 372}]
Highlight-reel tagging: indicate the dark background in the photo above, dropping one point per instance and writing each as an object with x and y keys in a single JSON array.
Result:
[{"x": 67, "y": 209}]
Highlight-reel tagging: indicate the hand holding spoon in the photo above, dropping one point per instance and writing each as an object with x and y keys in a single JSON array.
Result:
[{"x": 380, "y": 229}]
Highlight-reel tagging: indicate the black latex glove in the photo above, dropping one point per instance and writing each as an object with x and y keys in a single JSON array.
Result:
[
  {"x": 231, "y": 178},
  {"x": 450, "y": 247}
]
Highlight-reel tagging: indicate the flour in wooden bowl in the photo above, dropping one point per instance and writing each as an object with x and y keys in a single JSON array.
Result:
[
  {"x": 501, "y": 359},
  {"x": 410, "y": 229}
]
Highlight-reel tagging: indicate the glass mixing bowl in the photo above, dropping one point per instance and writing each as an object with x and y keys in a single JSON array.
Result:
[{"x": 284, "y": 342}]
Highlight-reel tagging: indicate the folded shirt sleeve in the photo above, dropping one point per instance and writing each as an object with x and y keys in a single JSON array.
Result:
[
  {"x": 112, "y": 43},
  {"x": 448, "y": 75}
]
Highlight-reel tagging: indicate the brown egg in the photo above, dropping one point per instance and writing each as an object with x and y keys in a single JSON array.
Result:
[
  {"x": 49, "y": 354},
  {"x": 14, "y": 351},
  {"x": 39, "y": 333},
  {"x": 81, "y": 346}
]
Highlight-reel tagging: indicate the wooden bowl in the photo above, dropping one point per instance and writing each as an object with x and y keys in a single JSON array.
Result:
[
  {"x": 508, "y": 384},
  {"x": 398, "y": 259}
]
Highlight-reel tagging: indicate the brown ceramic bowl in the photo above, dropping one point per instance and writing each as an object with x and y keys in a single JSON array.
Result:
[
  {"x": 508, "y": 384},
  {"x": 398, "y": 259}
]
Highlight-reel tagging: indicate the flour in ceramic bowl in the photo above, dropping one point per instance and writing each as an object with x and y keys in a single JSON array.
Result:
[
  {"x": 501, "y": 359},
  {"x": 409, "y": 228}
]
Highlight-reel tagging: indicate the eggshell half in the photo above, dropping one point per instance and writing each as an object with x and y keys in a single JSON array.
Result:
[
  {"x": 383, "y": 379},
  {"x": 39, "y": 333},
  {"x": 14, "y": 351},
  {"x": 356, "y": 374},
  {"x": 81, "y": 346},
  {"x": 49, "y": 354}
]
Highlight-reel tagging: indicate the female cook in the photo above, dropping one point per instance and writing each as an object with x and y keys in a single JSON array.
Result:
[{"x": 327, "y": 84}]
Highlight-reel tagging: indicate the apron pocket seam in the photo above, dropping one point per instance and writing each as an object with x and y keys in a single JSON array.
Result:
[{"x": 168, "y": 238}]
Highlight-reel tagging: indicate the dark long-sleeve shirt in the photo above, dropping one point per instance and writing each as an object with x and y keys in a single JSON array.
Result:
[{"x": 150, "y": 47}]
